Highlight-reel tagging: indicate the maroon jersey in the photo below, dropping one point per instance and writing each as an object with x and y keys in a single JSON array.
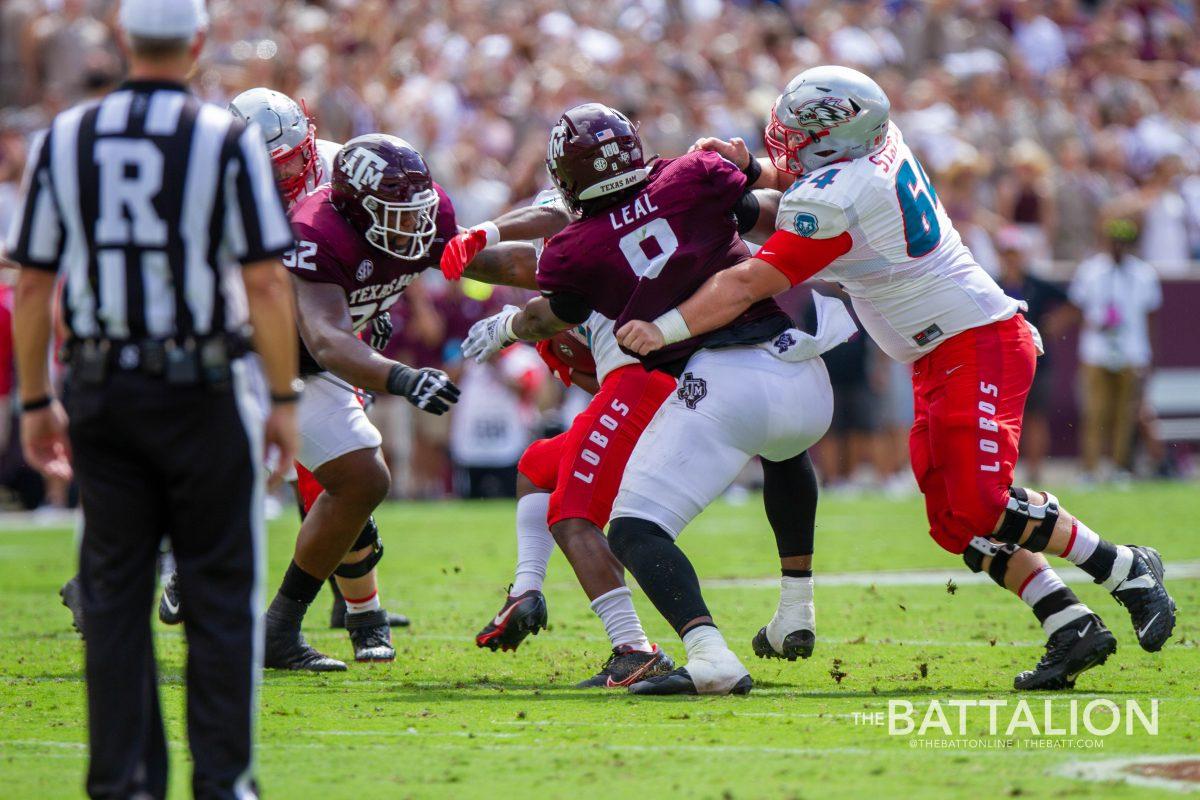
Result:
[
  {"x": 643, "y": 257},
  {"x": 330, "y": 250}
]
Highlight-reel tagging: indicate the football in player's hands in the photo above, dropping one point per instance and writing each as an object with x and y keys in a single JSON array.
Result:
[
  {"x": 571, "y": 349},
  {"x": 460, "y": 251}
]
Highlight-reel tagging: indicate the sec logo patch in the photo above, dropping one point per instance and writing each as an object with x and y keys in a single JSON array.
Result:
[
  {"x": 805, "y": 224},
  {"x": 364, "y": 270}
]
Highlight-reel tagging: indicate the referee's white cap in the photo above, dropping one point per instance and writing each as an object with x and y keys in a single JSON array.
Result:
[{"x": 163, "y": 19}]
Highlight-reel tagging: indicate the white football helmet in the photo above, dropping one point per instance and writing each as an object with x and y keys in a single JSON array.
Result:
[
  {"x": 290, "y": 134},
  {"x": 826, "y": 114}
]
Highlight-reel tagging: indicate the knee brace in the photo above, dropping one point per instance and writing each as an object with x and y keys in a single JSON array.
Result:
[
  {"x": 1020, "y": 512},
  {"x": 367, "y": 537},
  {"x": 980, "y": 548}
]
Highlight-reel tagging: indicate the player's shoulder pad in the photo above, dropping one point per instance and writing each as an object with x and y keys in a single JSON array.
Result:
[{"x": 812, "y": 218}]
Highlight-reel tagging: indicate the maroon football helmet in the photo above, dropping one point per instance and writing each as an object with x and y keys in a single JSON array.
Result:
[
  {"x": 382, "y": 186},
  {"x": 594, "y": 151}
]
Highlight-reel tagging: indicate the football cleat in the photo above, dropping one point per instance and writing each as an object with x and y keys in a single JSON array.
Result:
[
  {"x": 168, "y": 603},
  {"x": 72, "y": 598},
  {"x": 371, "y": 636},
  {"x": 627, "y": 665},
  {"x": 520, "y": 616},
  {"x": 797, "y": 644},
  {"x": 1151, "y": 609},
  {"x": 1072, "y": 649},
  {"x": 286, "y": 647},
  {"x": 714, "y": 672}
]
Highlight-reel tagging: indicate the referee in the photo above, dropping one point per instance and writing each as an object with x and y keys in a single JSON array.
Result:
[{"x": 160, "y": 217}]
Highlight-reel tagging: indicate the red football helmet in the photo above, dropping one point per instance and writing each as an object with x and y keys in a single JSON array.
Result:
[
  {"x": 382, "y": 186},
  {"x": 594, "y": 151}
]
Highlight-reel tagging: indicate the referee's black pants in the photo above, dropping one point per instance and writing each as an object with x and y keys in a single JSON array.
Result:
[{"x": 154, "y": 460}]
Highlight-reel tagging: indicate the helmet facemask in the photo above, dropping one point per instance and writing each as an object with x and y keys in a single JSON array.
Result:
[
  {"x": 403, "y": 230},
  {"x": 789, "y": 148},
  {"x": 296, "y": 166}
]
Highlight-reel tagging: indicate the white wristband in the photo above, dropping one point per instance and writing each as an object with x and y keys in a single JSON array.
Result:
[
  {"x": 509, "y": 335},
  {"x": 673, "y": 327},
  {"x": 490, "y": 231}
]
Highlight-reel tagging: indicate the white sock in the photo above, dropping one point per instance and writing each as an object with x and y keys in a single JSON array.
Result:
[
  {"x": 1042, "y": 582},
  {"x": 360, "y": 605},
  {"x": 535, "y": 543},
  {"x": 1082, "y": 543},
  {"x": 795, "y": 612},
  {"x": 621, "y": 622}
]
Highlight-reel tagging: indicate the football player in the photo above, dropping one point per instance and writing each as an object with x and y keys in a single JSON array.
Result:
[
  {"x": 860, "y": 210},
  {"x": 361, "y": 239},
  {"x": 302, "y": 162},
  {"x": 646, "y": 236},
  {"x": 566, "y": 484}
]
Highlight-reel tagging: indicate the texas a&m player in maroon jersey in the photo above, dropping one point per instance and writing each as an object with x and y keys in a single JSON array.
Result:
[
  {"x": 648, "y": 235},
  {"x": 360, "y": 241}
]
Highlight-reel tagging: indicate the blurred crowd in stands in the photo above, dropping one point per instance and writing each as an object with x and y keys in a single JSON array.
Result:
[{"x": 1062, "y": 136}]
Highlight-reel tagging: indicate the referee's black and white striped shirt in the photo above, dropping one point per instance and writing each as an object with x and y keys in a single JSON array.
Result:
[{"x": 146, "y": 202}]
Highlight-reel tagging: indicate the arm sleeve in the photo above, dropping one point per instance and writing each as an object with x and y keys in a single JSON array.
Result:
[
  {"x": 569, "y": 306},
  {"x": 36, "y": 237},
  {"x": 746, "y": 212},
  {"x": 256, "y": 225},
  {"x": 799, "y": 258}
]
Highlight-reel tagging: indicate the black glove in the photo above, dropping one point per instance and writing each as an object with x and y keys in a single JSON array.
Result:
[
  {"x": 426, "y": 388},
  {"x": 381, "y": 332}
]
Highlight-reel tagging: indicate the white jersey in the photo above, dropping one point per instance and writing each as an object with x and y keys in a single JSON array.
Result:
[
  {"x": 912, "y": 280},
  {"x": 597, "y": 331}
]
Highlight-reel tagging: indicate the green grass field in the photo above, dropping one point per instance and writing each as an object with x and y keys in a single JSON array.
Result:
[{"x": 449, "y": 720}]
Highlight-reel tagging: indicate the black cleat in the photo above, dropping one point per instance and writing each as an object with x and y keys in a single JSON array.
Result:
[
  {"x": 1072, "y": 649},
  {"x": 286, "y": 647},
  {"x": 678, "y": 681},
  {"x": 519, "y": 617},
  {"x": 168, "y": 603},
  {"x": 337, "y": 612},
  {"x": 1151, "y": 609},
  {"x": 797, "y": 644},
  {"x": 72, "y": 598},
  {"x": 626, "y": 666},
  {"x": 371, "y": 636}
]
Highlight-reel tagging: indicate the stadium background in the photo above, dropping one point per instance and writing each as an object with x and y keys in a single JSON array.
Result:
[{"x": 1032, "y": 118}]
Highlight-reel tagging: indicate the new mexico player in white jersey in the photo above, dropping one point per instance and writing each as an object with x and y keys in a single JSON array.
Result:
[{"x": 860, "y": 210}]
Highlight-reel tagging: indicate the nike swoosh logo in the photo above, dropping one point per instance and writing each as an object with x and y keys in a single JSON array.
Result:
[
  {"x": 503, "y": 616},
  {"x": 172, "y": 607},
  {"x": 950, "y": 371},
  {"x": 1146, "y": 627},
  {"x": 1086, "y": 628},
  {"x": 1140, "y": 582}
]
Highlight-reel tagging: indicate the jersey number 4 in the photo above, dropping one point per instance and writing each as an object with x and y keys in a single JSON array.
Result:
[{"x": 918, "y": 205}]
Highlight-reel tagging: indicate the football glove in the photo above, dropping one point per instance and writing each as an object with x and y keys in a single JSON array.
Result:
[
  {"x": 381, "y": 332},
  {"x": 426, "y": 388},
  {"x": 461, "y": 250},
  {"x": 490, "y": 335},
  {"x": 559, "y": 367}
]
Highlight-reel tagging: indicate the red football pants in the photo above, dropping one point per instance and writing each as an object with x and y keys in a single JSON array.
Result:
[
  {"x": 582, "y": 467},
  {"x": 969, "y": 401}
]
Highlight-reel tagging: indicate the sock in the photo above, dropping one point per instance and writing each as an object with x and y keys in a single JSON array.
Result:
[
  {"x": 1052, "y": 601},
  {"x": 1104, "y": 561},
  {"x": 299, "y": 586},
  {"x": 796, "y": 573},
  {"x": 790, "y": 500},
  {"x": 535, "y": 543},
  {"x": 660, "y": 568},
  {"x": 368, "y": 603},
  {"x": 795, "y": 611},
  {"x": 615, "y": 609}
]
